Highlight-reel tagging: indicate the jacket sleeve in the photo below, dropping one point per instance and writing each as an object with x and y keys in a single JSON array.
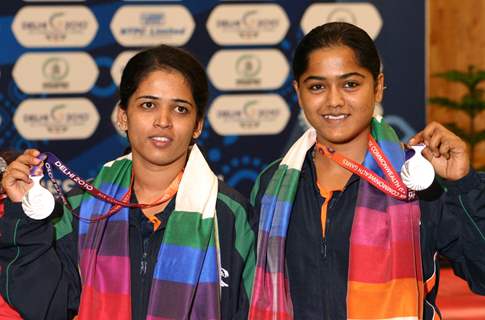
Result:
[
  {"x": 39, "y": 276},
  {"x": 236, "y": 224},
  {"x": 247, "y": 231},
  {"x": 461, "y": 229}
]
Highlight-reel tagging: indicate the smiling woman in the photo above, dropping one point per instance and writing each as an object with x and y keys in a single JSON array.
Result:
[
  {"x": 340, "y": 235},
  {"x": 180, "y": 245},
  {"x": 338, "y": 95}
]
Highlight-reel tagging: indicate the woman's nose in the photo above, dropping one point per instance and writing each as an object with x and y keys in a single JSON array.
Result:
[
  {"x": 163, "y": 119},
  {"x": 335, "y": 98}
]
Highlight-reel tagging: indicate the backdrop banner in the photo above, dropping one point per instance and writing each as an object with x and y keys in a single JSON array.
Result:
[{"x": 61, "y": 63}]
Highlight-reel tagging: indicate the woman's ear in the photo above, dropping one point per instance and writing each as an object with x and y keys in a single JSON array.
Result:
[
  {"x": 199, "y": 125},
  {"x": 122, "y": 119},
  {"x": 379, "y": 90},
  {"x": 297, "y": 91}
]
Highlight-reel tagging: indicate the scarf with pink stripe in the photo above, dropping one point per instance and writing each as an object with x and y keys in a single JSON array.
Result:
[
  {"x": 385, "y": 278},
  {"x": 186, "y": 283}
]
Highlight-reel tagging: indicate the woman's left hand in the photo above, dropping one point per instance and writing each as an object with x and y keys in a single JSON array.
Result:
[{"x": 446, "y": 151}]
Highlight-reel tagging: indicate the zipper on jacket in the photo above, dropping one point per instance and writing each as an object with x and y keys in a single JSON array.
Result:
[
  {"x": 326, "y": 202},
  {"x": 147, "y": 261},
  {"x": 332, "y": 198},
  {"x": 323, "y": 250},
  {"x": 143, "y": 264}
]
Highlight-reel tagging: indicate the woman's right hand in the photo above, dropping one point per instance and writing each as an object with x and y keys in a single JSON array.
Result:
[{"x": 15, "y": 180}]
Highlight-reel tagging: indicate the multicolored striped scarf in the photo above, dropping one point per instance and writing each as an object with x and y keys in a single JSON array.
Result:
[
  {"x": 186, "y": 282},
  {"x": 385, "y": 278}
]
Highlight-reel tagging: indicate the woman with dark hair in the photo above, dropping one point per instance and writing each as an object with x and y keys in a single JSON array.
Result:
[
  {"x": 341, "y": 234},
  {"x": 6, "y": 156},
  {"x": 179, "y": 246}
]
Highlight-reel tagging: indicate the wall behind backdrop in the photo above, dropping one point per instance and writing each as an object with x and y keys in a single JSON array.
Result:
[{"x": 61, "y": 61}]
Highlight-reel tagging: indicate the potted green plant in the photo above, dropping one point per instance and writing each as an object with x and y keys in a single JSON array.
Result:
[{"x": 471, "y": 103}]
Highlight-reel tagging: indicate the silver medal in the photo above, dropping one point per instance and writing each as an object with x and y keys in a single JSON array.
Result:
[
  {"x": 38, "y": 203},
  {"x": 417, "y": 173}
]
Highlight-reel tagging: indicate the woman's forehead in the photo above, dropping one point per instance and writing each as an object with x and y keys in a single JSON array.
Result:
[{"x": 333, "y": 60}]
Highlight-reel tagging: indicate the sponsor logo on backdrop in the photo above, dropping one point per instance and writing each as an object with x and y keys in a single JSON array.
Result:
[
  {"x": 248, "y": 67},
  {"x": 152, "y": 25},
  {"x": 249, "y": 114},
  {"x": 247, "y": 24},
  {"x": 119, "y": 64},
  {"x": 364, "y": 15},
  {"x": 55, "y": 72},
  {"x": 343, "y": 15},
  {"x": 54, "y": 26},
  {"x": 263, "y": 69},
  {"x": 56, "y": 119}
]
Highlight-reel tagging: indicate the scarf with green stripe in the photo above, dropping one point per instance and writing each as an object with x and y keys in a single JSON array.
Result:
[
  {"x": 385, "y": 278},
  {"x": 186, "y": 281}
]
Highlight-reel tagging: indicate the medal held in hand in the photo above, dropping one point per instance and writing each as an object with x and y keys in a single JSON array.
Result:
[
  {"x": 417, "y": 172},
  {"x": 38, "y": 203}
]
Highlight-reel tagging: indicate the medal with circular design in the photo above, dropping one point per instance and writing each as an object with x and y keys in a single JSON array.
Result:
[
  {"x": 417, "y": 173},
  {"x": 38, "y": 203}
]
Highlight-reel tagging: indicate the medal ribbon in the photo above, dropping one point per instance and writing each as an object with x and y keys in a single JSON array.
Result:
[
  {"x": 52, "y": 161},
  {"x": 393, "y": 186}
]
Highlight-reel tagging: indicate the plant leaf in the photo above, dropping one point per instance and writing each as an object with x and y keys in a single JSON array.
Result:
[
  {"x": 454, "y": 76},
  {"x": 477, "y": 137},
  {"x": 445, "y": 102},
  {"x": 471, "y": 78},
  {"x": 472, "y": 104}
]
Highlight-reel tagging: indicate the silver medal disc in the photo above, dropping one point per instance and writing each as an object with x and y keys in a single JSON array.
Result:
[
  {"x": 38, "y": 203},
  {"x": 417, "y": 173}
]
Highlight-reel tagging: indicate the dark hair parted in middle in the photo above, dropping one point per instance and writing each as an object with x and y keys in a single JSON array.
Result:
[
  {"x": 335, "y": 34},
  {"x": 165, "y": 57}
]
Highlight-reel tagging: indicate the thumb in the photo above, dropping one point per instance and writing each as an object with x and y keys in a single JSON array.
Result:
[{"x": 417, "y": 139}]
